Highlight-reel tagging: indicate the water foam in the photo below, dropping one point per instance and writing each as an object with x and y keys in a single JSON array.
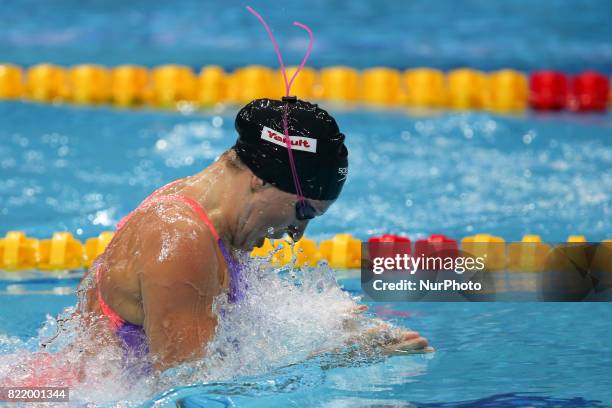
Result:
[{"x": 288, "y": 316}]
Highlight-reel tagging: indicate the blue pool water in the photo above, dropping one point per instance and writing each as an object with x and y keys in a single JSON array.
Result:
[
  {"x": 81, "y": 169},
  {"x": 442, "y": 33},
  {"x": 547, "y": 352}
]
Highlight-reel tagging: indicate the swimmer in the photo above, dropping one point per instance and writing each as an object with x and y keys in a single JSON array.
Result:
[{"x": 155, "y": 283}]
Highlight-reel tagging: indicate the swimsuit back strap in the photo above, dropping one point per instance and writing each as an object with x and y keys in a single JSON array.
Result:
[{"x": 195, "y": 206}]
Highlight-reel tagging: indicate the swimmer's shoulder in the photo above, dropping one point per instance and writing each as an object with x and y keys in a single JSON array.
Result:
[{"x": 169, "y": 233}]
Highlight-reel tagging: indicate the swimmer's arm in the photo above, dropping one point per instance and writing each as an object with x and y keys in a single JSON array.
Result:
[
  {"x": 380, "y": 337},
  {"x": 178, "y": 285}
]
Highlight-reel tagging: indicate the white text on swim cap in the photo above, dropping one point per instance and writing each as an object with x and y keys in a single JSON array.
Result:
[{"x": 303, "y": 143}]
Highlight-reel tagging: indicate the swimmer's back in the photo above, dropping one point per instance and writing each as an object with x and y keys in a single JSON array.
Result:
[{"x": 155, "y": 234}]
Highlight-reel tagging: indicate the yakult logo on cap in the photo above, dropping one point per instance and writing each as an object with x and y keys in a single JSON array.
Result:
[{"x": 306, "y": 144}]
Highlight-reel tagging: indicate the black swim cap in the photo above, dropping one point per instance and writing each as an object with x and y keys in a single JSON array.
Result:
[{"x": 320, "y": 156}]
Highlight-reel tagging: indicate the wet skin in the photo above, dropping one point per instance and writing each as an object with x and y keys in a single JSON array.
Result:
[{"x": 163, "y": 269}]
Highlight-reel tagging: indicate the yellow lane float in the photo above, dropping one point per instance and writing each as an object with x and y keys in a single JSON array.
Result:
[
  {"x": 95, "y": 246},
  {"x": 425, "y": 87},
  {"x": 491, "y": 248},
  {"x": 47, "y": 83},
  {"x": 17, "y": 251},
  {"x": 61, "y": 252},
  {"x": 305, "y": 85},
  {"x": 507, "y": 91},
  {"x": 466, "y": 89},
  {"x": 172, "y": 84},
  {"x": 381, "y": 86},
  {"x": 11, "y": 81},
  {"x": 89, "y": 84},
  {"x": 342, "y": 251},
  {"x": 251, "y": 82},
  {"x": 529, "y": 255},
  {"x": 129, "y": 85},
  {"x": 211, "y": 86},
  {"x": 339, "y": 84}
]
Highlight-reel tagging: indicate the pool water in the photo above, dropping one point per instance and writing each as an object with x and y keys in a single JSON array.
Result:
[
  {"x": 555, "y": 355},
  {"x": 443, "y": 34},
  {"x": 81, "y": 169}
]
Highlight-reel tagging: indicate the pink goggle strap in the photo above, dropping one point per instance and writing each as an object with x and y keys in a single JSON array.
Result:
[{"x": 288, "y": 84}]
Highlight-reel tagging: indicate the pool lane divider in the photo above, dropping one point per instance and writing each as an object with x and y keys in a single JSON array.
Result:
[
  {"x": 62, "y": 251},
  {"x": 179, "y": 87}
]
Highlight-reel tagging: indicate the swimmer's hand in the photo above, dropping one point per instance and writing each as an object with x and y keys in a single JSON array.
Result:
[
  {"x": 378, "y": 341},
  {"x": 359, "y": 309},
  {"x": 398, "y": 341},
  {"x": 409, "y": 343}
]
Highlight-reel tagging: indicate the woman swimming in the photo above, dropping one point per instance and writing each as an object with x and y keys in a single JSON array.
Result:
[{"x": 156, "y": 281}]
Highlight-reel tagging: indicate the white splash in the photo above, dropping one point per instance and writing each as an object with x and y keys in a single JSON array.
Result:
[{"x": 287, "y": 317}]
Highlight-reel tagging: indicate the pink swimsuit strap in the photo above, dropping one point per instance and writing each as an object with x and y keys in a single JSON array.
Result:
[
  {"x": 117, "y": 321},
  {"x": 195, "y": 206}
]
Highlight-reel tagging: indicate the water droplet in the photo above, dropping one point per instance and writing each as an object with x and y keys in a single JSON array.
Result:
[
  {"x": 217, "y": 121},
  {"x": 161, "y": 144}
]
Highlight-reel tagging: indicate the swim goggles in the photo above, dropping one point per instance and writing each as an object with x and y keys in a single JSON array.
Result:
[{"x": 304, "y": 210}]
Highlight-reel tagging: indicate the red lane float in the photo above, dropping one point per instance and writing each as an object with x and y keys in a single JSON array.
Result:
[
  {"x": 389, "y": 238},
  {"x": 436, "y": 246},
  {"x": 589, "y": 92},
  {"x": 548, "y": 90},
  {"x": 388, "y": 246}
]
